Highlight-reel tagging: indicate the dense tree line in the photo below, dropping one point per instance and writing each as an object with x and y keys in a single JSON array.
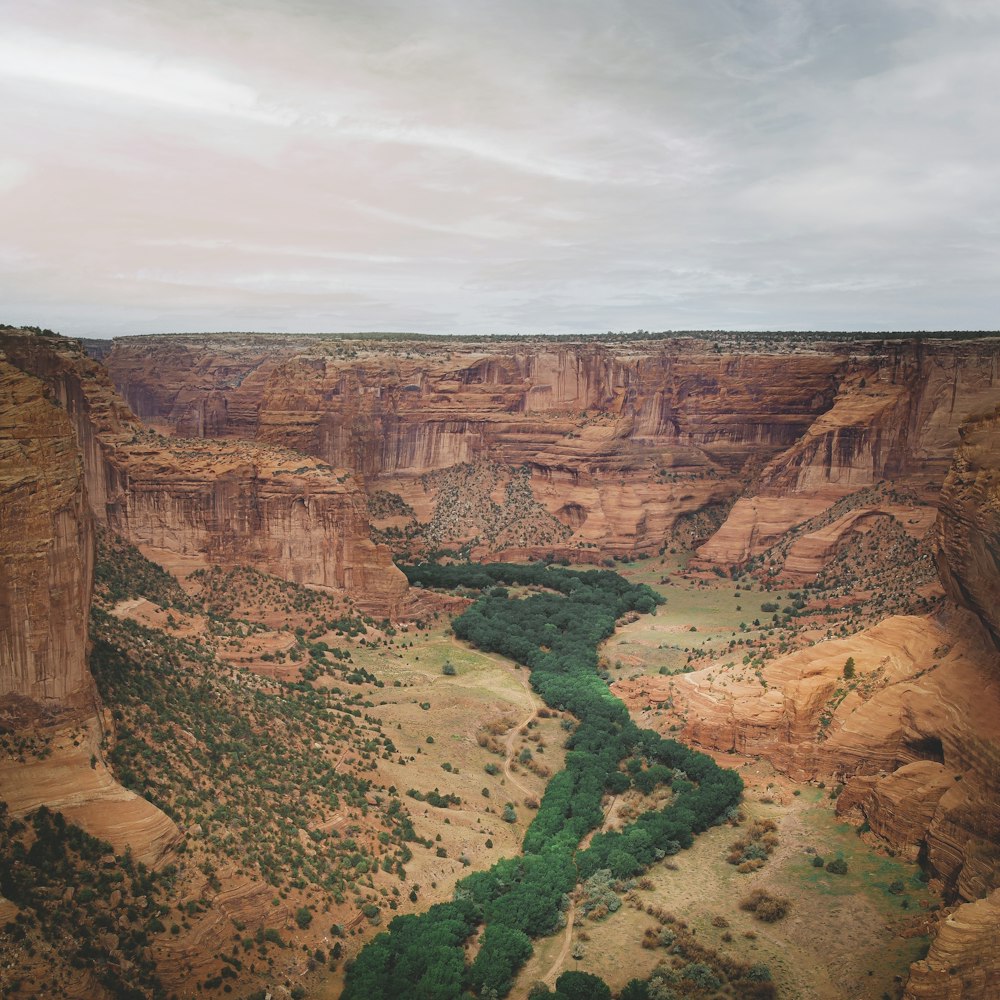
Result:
[{"x": 555, "y": 633}]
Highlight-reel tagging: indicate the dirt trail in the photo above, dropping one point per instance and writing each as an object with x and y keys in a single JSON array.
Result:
[
  {"x": 512, "y": 735},
  {"x": 560, "y": 960}
]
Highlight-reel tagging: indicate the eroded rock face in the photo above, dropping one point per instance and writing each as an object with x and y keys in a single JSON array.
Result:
[
  {"x": 620, "y": 439},
  {"x": 46, "y": 579},
  {"x": 214, "y": 503},
  {"x": 968, "y": 529},
  {"x": 914, "y": 736},
  {"x": 46, "y": 555},
  {"x": 964, "y": 960},
  {"x": 897, "y": 415}
]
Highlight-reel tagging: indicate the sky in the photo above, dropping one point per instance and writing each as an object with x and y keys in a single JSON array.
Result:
[{"x": 477, "y": 166}]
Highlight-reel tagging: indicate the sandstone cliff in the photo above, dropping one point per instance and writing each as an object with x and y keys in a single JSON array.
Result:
[
  {"x": 620, "y": 439},
  {"x": 205, "y": 502},
  {"x": 969, "y": 523},
  {"x": 964, "y": 960},
  {"x": 897, "y": 415},
  {"x": 47, "y": 694},
  {"x": 46, "y": 555}
]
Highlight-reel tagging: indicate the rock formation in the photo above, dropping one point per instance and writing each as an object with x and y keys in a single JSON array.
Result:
[
  {"x": 46, "y": 555},
  {"x": 46, "y": 576},
  {"x": 969, "y": 523},
  {"x": 911, "y": 729},
  {"x": 620, "y": 439},
  {"x": 787, "y": 455},
  {"x": 897, "y": 416},
  {"x": 964, "y": 960},
  {"x": 205, "y": 502}
]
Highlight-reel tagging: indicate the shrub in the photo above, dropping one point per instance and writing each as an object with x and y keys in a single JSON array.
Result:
[
  {"x": 838, "y": 866},
  {"x": 764, "y": 906},
  {"x": 303, "y": 917}
]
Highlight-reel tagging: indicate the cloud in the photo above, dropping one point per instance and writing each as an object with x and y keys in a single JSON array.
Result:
[
  {"x": 129, "y": 76},
  {"x": 569, "y": 166}
]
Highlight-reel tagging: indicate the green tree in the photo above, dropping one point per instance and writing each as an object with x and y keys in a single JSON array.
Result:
[{"x": 582, "y": 986}]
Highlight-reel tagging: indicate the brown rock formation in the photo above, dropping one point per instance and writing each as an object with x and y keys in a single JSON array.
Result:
[
  {"x": 619, "y": 442},
  {"x": 969, "y": 523},
  {"x": 914, "y": 735},
  {"x": 621, "y": 438},
  {"x": 73, "y": 779},
  {"x": 897, "y": 415},
  {"x": 811, "y": 551},
  {"x": 224, "y": 503},
  {"x": 46, "y": 555},
  {"x": 46, "y": 577},
  {"x": 964, "y": 960}
]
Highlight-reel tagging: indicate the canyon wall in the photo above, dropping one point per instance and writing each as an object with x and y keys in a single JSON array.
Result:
[
  {"x": 620, "y": 439},
  {"x": 47, "y": 693},
  {"x": 968, "y": 530},
  {"x": 46, "y": 556},
  {"x": 206, "y": 503}
]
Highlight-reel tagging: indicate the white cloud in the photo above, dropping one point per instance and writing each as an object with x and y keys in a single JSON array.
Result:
[
  {"x": 566, "y": 166},
  {"x": 130, "y": 76}
]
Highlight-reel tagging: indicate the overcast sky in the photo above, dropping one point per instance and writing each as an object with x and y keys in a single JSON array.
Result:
[{"x": 564, "y": 166}]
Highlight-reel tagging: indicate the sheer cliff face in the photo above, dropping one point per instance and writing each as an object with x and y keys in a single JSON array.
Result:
[
  {"x": 234, "y": 504},
  {"x": 46, "y": 555},
  {"x": 968, "y": 529},
  {"x": 620, "y": 439},
  {"x": 386, "y": 408},
  {"x": 213, "y": 503}
]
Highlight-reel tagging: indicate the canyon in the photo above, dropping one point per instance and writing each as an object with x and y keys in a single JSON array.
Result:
[
  {"x": 863, "y": 472},
  {"x": 620, "y": 442},
  {"x": 224, "y": 503}
]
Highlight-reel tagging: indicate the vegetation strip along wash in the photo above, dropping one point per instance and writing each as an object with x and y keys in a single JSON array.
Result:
[{"x": 556, "y": 634}]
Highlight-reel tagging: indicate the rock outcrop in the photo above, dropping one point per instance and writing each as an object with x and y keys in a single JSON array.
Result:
[
  {"x": 969, "y": 523},
  {"x": 897, "y": 415},
  {"x": 621, "y": 439},
  {"x": 619, "y": 442},
  {"x": 213, "y": 503},
  {"x": 46, "y": 556},
  {"x": 47, "y": 693},
  {"x": 964, "y": 960}
]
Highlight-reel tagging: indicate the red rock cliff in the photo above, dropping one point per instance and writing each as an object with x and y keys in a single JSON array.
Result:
[
  {"x": 46, "y": 575},
  {"x": 620, "y": 438},
  {"x": 968, "y": 528},
  {"x": 224, "y": 503},
  {"x": 46, "y": 554}
]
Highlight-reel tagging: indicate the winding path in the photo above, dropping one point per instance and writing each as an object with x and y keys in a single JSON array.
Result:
[
  {"x": 560, "y": 960},
  {"x": 512, "y": 735}
]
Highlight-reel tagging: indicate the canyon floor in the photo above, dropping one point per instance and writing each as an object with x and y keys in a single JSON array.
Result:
[
  {"x": 465, "y": 725},
  {"x": 846, "y": 936}
]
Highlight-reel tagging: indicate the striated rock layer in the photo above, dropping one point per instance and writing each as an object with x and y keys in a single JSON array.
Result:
[
  {"x": 964, "y": 960},
  {"x": 969, "y": 523},
  {"x": 621, "y": 438},
  {"x": 46, "y": 555},
  {"x": 46, "y": 577},
  {"x": 214, "y": 503},
  {"x": 897, "y": 415}
]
